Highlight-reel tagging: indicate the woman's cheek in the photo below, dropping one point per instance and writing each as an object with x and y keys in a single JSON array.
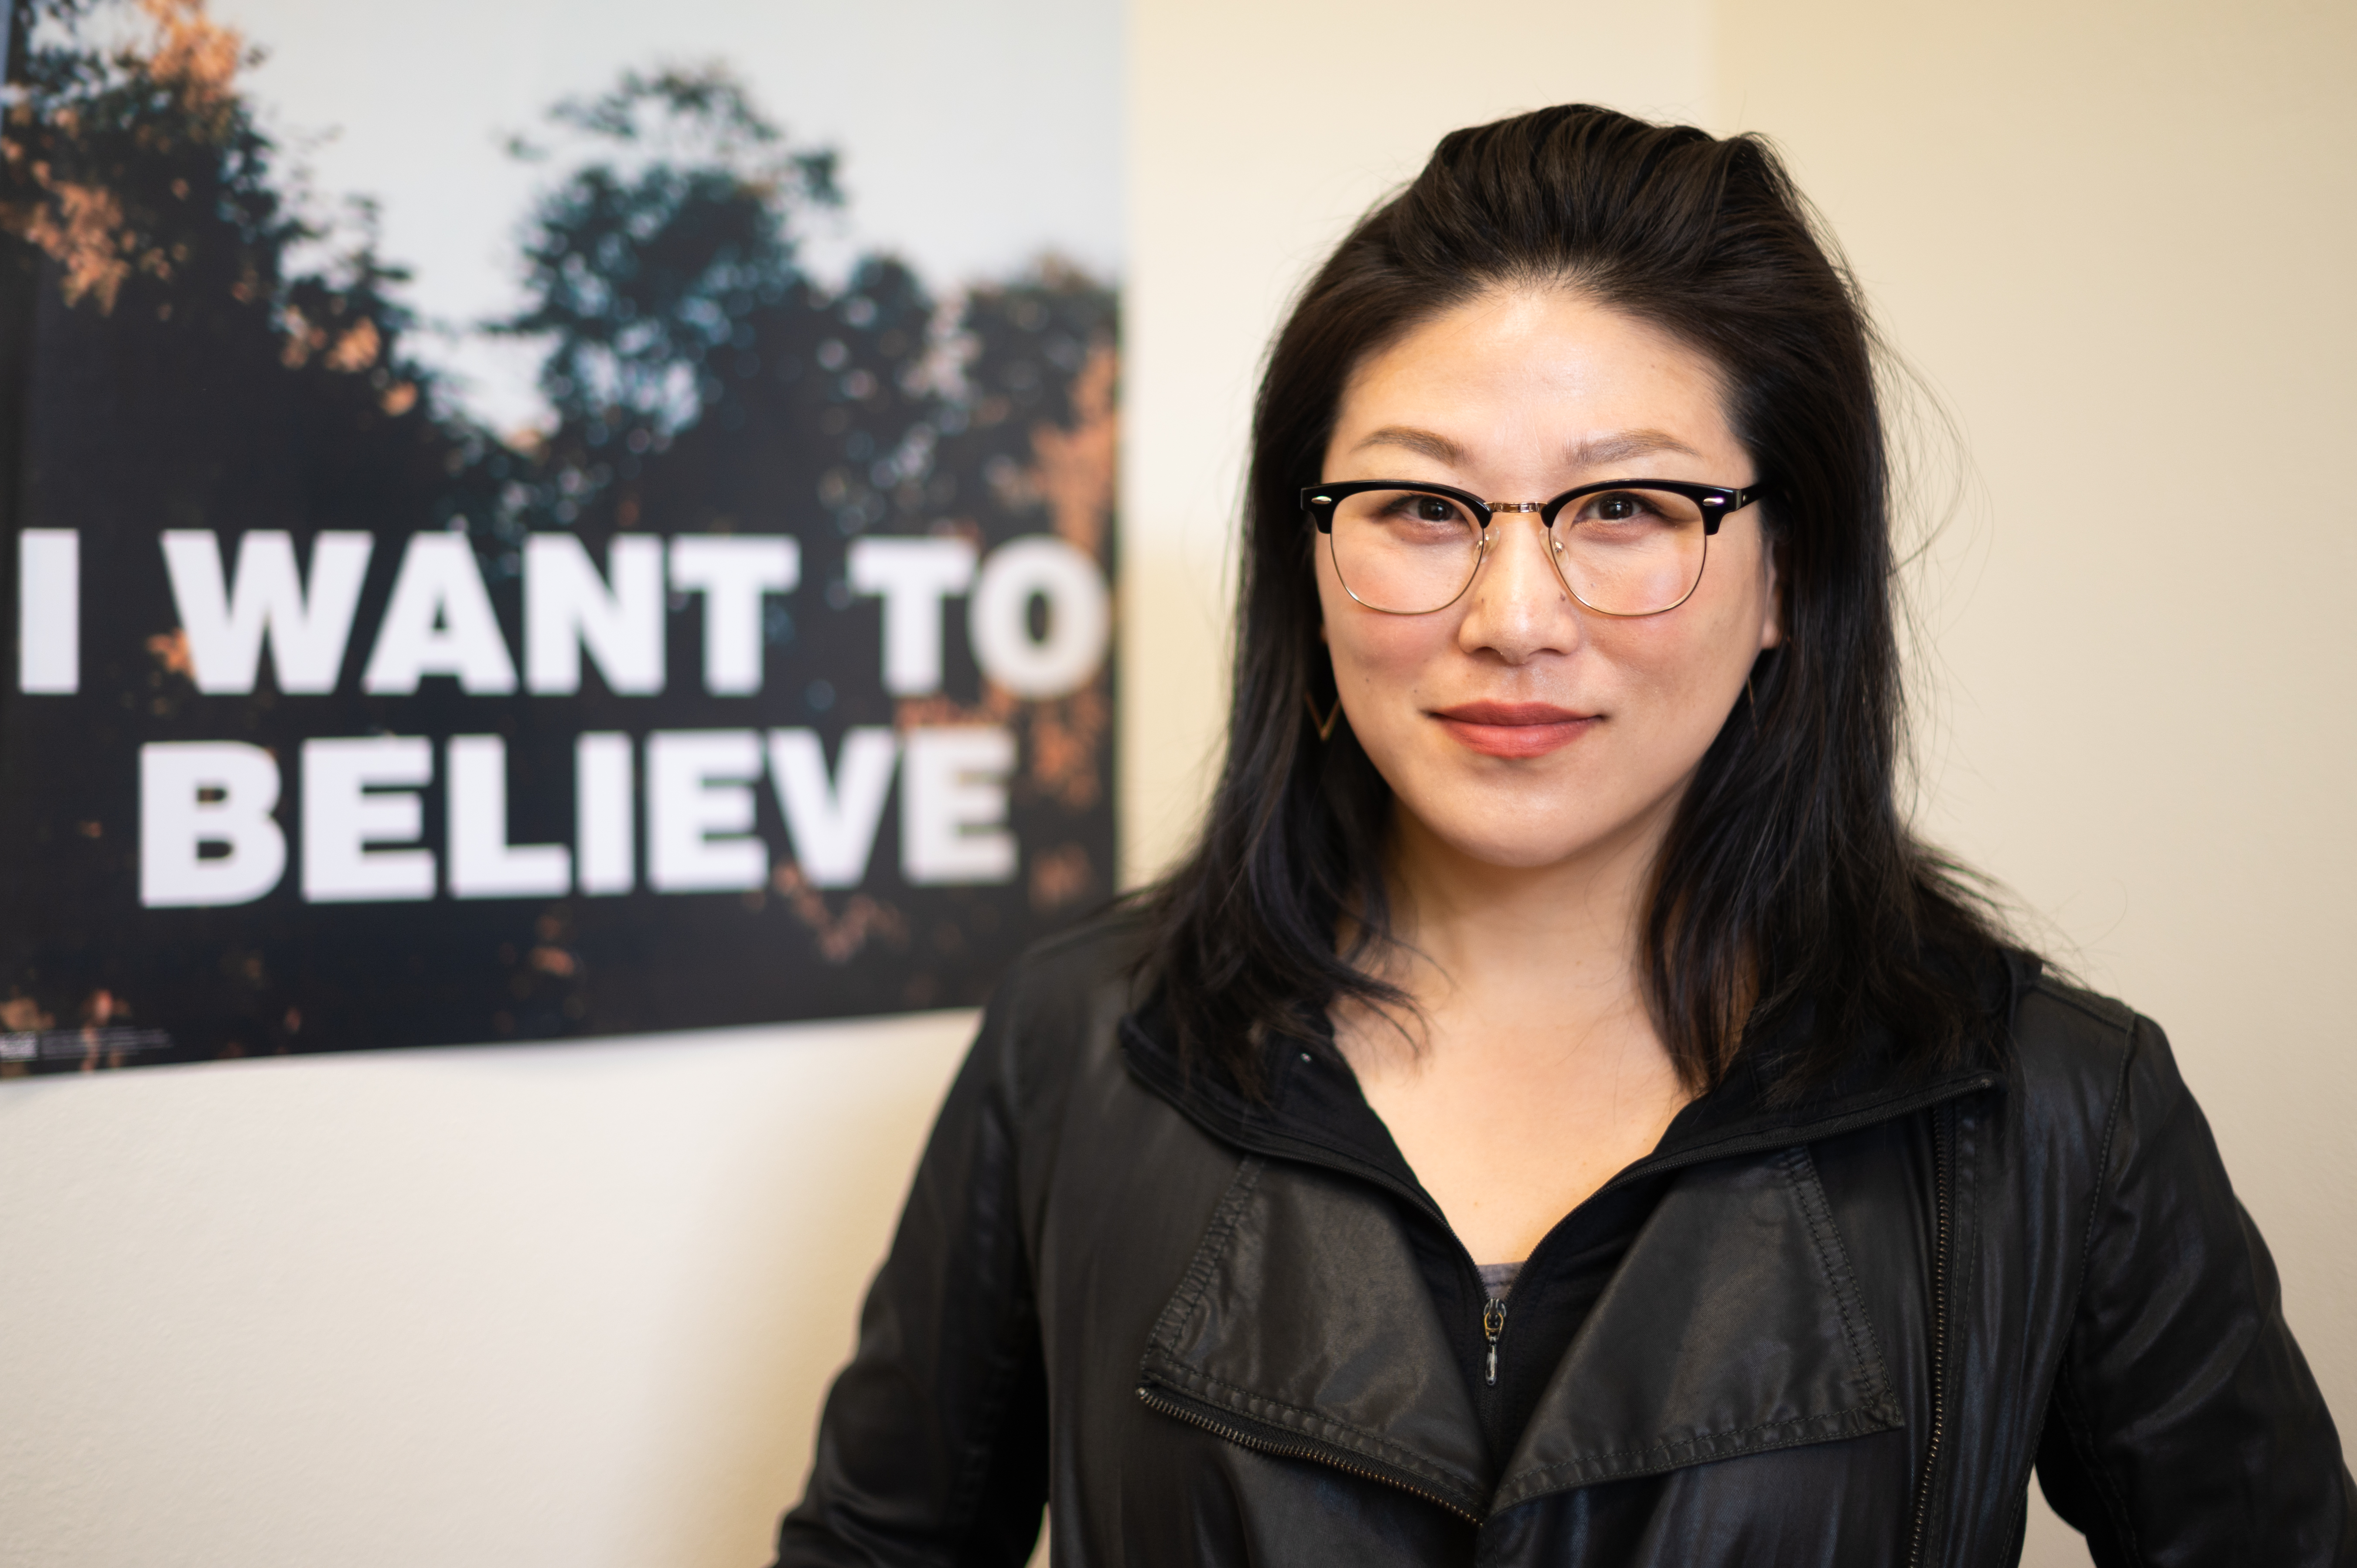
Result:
[{"x": 1381, "y": 670}]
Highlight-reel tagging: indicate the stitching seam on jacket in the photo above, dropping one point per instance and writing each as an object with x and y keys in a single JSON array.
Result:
[
  {"x": 1800, "y": 1172},
  {"x": 2099, "y": 1477},
  {"x": 2102, "y": 1169},
  {"x": 1695, "y": 1445},
  {"x": 964, "y": 1504},
  {"x": 2081, "y": 1002},
  {"x": 996, "y": 1401},
  {"x": 1313, "y": 1424},
  {"x": 1216, "y": 1236}
]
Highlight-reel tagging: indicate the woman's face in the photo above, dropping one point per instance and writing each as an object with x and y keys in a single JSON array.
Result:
[{"x": 1515, "y": 726}]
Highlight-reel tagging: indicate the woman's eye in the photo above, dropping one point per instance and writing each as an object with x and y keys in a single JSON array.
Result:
[
  {"x": 1426, "y": 511},
  {"x": 1624, "y": 507}
]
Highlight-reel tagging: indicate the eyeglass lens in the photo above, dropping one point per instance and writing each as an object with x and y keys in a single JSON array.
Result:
[{"x": 1621, "y": 552}]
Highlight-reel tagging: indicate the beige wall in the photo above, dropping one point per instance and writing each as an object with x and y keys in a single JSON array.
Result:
[{"x": 577, "y": 1304}]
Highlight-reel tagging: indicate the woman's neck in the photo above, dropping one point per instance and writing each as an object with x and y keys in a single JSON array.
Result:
[
  {"x": 1529, "y": 1070},
  {"x": 1564, "y": 935}
]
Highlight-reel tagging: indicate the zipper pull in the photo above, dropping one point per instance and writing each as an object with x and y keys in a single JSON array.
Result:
[{"x": 1493, "y": 1323}]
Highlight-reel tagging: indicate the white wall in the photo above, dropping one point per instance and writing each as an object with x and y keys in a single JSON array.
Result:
[{"x": 577, "y": 1303}]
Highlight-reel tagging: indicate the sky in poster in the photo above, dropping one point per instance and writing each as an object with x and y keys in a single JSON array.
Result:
[{"x": 975, "y": 135}]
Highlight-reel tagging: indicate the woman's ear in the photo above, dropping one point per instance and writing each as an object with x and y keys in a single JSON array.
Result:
[{"x": 1771, "y": 620}]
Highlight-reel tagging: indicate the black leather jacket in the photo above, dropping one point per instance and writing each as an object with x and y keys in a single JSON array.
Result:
[{"x": 1847, "y": 1332}]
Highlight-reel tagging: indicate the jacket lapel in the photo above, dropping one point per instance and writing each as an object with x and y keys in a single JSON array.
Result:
[
  {"x": 1733, "y": 1325},
  {"x": 1304, "y": 1321}
]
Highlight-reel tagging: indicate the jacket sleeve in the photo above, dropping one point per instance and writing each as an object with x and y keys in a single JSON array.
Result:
[
  {"x": 2184, "y": 1426},
  {"x": 933, "y": 1444}
]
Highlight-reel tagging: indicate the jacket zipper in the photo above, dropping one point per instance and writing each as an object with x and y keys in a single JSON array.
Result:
[
  {"x": 1285, "y": 1448},
  {"x": 1493, "y": 1323},
  {"x": 1940, "y": 1181}
]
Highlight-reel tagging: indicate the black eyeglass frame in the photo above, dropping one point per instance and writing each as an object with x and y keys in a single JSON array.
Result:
[{"x": 1717, "y": 503}]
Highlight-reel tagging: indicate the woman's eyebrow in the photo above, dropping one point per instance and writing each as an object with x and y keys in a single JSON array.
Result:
[
  {"x": 1594, "y": 452},
  {"x": 1427, "y": 443},
  {"x": 1598, "y": 451}
]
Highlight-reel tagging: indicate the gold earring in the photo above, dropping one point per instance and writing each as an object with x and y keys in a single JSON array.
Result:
[{"x": 1326, "y": 725}]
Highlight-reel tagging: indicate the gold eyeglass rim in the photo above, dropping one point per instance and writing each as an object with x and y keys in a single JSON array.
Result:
[{"x": 1717, "y": 503}]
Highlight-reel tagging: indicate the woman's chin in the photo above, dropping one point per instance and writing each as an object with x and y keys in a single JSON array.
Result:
[{"x": 1510, "y": 848}]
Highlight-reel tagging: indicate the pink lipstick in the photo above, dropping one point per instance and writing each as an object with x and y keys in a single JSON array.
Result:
[{"x": 1513, "y": 729}]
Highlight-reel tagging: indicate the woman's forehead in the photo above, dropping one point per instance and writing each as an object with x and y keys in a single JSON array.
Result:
[
  {"x": 1595, "y": 450},
  {"x": 1544, "y": 373},
  {"x": 1553, "y": 330}
]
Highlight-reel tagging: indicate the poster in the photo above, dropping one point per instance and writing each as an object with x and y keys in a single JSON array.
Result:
[{"x": 736, "y": 647}]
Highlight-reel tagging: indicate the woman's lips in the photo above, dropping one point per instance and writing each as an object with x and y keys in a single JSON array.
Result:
[{"x": 1513, "y": 729}]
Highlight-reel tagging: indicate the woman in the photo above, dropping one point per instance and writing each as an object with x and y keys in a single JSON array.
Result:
[{"x": 1558, "y": 1113}]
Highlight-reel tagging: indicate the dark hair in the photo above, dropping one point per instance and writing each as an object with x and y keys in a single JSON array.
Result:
[{"x": 1787, "y": 879}]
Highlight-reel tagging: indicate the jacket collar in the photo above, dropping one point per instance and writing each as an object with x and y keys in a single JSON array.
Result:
[
  {"x": 1303, "y": 1325},
  {"x": 1742, "y": 1115}
]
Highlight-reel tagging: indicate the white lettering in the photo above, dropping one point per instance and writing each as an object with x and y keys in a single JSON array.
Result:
[
  {"x": 912, "y": 576},
  {"x": 700, "y": 811},
  {"x": 832, "y": 822},
  {"x": 48, "y": 611},
  {"x": 603, "y": 857},
  {"x": 438, "y": 622},
  {"x": 954, "y": 805},
  {"x": 483, "y": 864},
  {"x": 1080, "y": 618},
  {"x": 175, "y": 822},
  {"x": 566, "y": 605},
  {"x": 732, "y": 571},
  {"x": 343, "y": 814},
  {"x": 308, "y": 629}
]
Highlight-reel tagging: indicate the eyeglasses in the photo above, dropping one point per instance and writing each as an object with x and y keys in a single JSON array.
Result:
[{"x": 1626, "y": 547}]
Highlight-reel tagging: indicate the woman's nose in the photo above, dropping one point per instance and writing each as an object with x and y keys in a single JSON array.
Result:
[{"x": 1520, "y": 606}]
